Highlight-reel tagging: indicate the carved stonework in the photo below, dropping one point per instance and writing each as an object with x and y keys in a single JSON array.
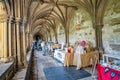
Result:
[{"x": 3, "y": 15}]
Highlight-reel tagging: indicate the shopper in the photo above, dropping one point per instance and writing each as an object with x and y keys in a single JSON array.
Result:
[{"x": 43, "y": 48}]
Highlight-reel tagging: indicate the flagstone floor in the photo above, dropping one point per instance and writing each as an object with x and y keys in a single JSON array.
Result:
[
  {"x": 47, "y": 61},
  {"x": 44, "y": 62}
]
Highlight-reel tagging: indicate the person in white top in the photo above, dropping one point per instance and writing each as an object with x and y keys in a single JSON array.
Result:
[
  {"x": 77, "y": 59},
  {"x": 43, "y": 48}
]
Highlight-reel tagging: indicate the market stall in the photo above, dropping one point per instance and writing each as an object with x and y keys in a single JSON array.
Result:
[
  {"x": 59, "y": 55},
  {"x": 110, "y": 68}
]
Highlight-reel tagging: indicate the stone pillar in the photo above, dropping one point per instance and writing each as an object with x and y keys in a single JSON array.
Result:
[
  {"x": 46, "y": 38},
  {"x": 66, "y": 27},
  {"x": 66, "y": 34},
  {"x": 98, "y": 34},
  {"x": 50, "y": 36},
  {"x": 55, "y": 33},
  {"x": 9, "y": 34},
  {"x": 1, "y": 40},
  {"x": 13, "y": 37},
  {"x": 26, "y": 40},
  {"x": 13, "y": 46},
  {"x": 5, "y": 43},
  {"x": 31, "y": 40},
  {"x": 22, "y": 40},
  {"x": 18, "y": 41}
]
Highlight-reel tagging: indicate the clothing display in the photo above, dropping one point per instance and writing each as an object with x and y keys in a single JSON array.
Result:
[
  {"x": 69, "y": 57},
  {"x": 88, "y": 58},
  {"x": 77, "y": 58}
]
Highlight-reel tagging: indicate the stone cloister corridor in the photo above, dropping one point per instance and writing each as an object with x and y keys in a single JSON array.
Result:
[{"x": 28, "y": 28}]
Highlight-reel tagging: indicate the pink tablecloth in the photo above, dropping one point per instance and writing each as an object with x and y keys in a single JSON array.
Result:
[{"x": 106, "y": 73}]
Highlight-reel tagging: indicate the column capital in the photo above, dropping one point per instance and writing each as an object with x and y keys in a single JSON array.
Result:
[
  {"x": 23, "y": 21},
  {"x": 27, "y": 32},
  {"x": 10, "y": 19},
  {"x": 18, "y": 20},
  {"x": 22, "y": 26}
]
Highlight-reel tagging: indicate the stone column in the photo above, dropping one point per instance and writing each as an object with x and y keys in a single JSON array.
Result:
[
  {"x": 56, "y": 35},
  {"x": 13, "y": 45},
  {"x": 18, "y": 41},
  {"x": 22, "y": 40},
  {"x": 1, "y": 44},
  {"x": 98, "y": 34},
  {"x": 9, "y": 34},
  {"x": 26, "y": 40},
  {"x": 66, "y": 27},
  {"x": 31, "y": 40},
  {"x": 5, "y": 37},
  {"x": 50, "y": 38},
  {"x": 13, "y": 37},
  {"x": 46, "y": 36},
  {"x": 66, "y": 34}
]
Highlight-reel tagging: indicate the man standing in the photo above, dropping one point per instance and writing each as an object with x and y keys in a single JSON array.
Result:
[{"x": 43, "y": 48}]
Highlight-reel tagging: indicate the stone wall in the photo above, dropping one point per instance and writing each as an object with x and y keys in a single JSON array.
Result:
[
  {"x": 86, "y": 31},
  {"x": 111, "y": 29}
]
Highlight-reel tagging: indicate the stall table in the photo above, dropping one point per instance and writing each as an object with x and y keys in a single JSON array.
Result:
[
  {"x": 59, "y": 55},
  {"x": 87, "y": 58},
  {"x": 107, "y": 73}
]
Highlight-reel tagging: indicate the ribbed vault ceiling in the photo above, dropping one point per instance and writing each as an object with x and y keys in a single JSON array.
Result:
[{"x": 43, "y": 14}]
